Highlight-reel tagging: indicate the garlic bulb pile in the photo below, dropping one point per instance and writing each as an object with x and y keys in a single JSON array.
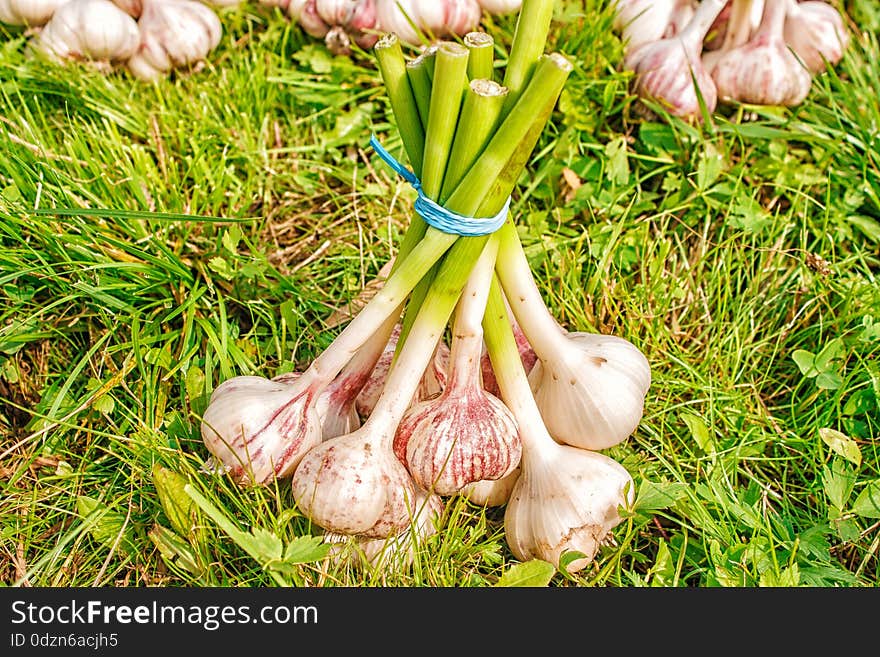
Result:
[
  {"x": 343, "y": 22},
  {"x": 148, "y": 37},
  {"x": 761, "y": 52}
]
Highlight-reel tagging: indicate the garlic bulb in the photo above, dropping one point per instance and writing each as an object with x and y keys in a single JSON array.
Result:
[
  {"x": 671, "y": 71},
  {"x": 259, "y": 429},
  {"x": 592, "y": 391},
  {"x": 174, "y": 33},
  {"x": 396, "y": 552},
  {"x": 92, "y": 30},
  {"x": 816, "y": 33},
  {"x": 742, "y": 21},
  {"x": 31, "y": 13},
  {"x": 465, "y": 434},
  {"x": 644, "y": 21},
  {"x": 590, "y": 388},
  {"x": 565, "y": 499},
  {"x": 354, "y": 484},
  {"x": 763, "y": 71}
]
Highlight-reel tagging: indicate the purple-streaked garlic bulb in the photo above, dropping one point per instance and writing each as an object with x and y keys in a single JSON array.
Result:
[
  {"x": 763, "y": 71},
  {"x": 348, "y": 21},
  {"x": 89, "y": 30},
  {"x": 463, "y": 435},
  {"x": 174, "y": 34},
  {"x": 671, "y": 71},
  {"x": 258, "y": 429},
  {"x": 816, "y": 33},
  {"x": 396, "y": 552},
  {"x": 31, "y": 13}
]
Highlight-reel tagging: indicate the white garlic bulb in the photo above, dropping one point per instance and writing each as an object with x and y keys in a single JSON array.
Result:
[
  {"x": 644, "y": 21},
  {"x": 91, "y": 30},
  {"x": 565, "y": 499},
  {"x": 174, "y": 34},
  {"x": 816, "y": 33},
  {"x": 259, "y": 429},
  {"x": 354, "y": 484},
  {"x": 763, "y": 71},
  {"x": 31, "y": 13},
  {"x": 670, "y": 70},
  {"x": 592, "y": 392}
]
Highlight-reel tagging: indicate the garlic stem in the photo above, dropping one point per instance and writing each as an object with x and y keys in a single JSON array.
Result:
[
  {"x": 419, "y": 72},
  {"x": 481, "y": 47},
  {"x": 697, "y": 28},
  {"x": 545, "y": 334},
  {"x": 527, "y": 48},
  {"x": 772, "y": 20},
  {"x": 389, "y": 58},
  {"x": 739, "y": 26}
]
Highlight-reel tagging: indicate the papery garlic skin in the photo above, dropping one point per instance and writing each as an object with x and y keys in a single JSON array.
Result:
[
  {"x": 31, "y": 13},
  {"x": 174, "y": 34},
  {"x": 259, "y": 429},
  {"x": 91, "y": 30},
  {"x": 565, "y": 499},
  {"x": 396, "y": 552},
  {"x": 593, "y": 395},
  {"x": 352, "y": 485},
  {"x": 816, "y": 33}
]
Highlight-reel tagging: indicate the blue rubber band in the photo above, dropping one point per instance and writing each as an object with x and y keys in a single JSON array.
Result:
[{"x": 435, "y": 214}]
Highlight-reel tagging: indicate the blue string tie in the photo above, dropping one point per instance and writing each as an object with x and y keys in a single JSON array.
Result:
[{"x": 435, "y": 214}]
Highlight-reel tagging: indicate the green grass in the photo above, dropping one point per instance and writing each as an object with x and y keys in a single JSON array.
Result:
[{"x": 155, "y": 241}]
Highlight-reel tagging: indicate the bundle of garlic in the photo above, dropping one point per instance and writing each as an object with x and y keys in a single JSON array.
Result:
[
  {"x": 389, "y": 419},
  {"x": 343, "y": 22},
  {"x": 762, "y": 52}
]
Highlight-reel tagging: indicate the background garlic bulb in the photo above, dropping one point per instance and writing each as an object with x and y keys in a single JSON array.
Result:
[
  {"x": 94, "y": 30},
  {"x": 816, "y": 33},
  {"x": 32, "y": 13},
  {"x": 173, "y": 33}
]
